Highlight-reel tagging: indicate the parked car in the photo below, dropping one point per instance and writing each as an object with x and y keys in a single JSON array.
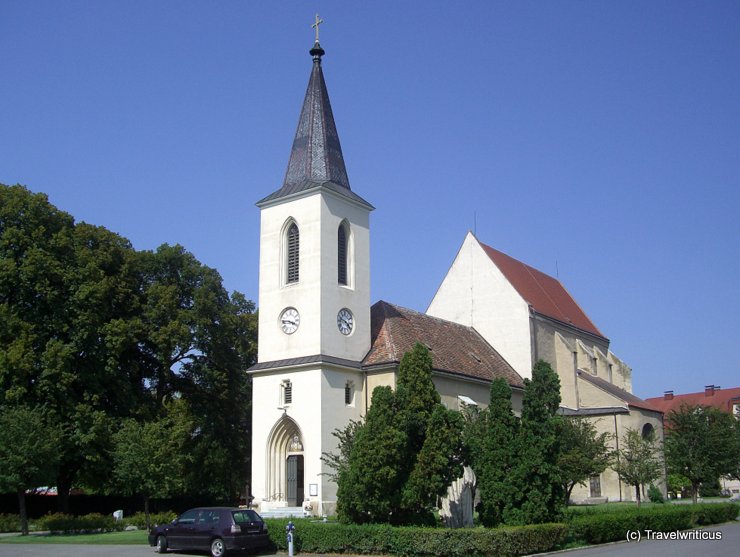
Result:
[{"x": 216, "y": 529}]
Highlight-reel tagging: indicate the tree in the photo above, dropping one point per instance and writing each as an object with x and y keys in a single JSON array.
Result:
[
  {"x": 638, "y": 461},
  {"x": 68, "y": 299},
  {"x": 438, "y": 463},
  {"x": 583, "y": 452},
  {"x": 537, "y": 485},
  {"x": 369, "y": 489},
  {"x": 701, "y": 444},
  {"x": 406, "y": 453},
  {"x": 492, "y": 454},
  {"x": 149, "y": 457},
  {"x": 97, "y": 333},
  {"x": 28, "y": 453}
]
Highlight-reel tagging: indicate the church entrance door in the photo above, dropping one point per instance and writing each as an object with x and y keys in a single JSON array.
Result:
[{"x": 295, "y": 480}]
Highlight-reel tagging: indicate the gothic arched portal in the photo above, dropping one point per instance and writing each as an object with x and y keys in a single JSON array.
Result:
[{"x": 285, "y": 463}]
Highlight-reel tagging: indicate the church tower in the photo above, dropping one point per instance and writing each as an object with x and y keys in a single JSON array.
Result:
[{"x": 314, "y": 312}]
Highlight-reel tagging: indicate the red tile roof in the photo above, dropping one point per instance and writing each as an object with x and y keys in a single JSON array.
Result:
[
  {"x": 720, "y": 398},
  {"x": 454, "y": 348},
  {"x": 545, "y": 294},
  {"x": 618, "y": 392}
]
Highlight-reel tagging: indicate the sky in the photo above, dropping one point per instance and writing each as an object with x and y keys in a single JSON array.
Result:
[{"x": 598, "y": 142}]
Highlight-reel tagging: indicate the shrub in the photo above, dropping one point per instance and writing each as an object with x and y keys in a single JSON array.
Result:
[
  {"x": 139, "y": 519},
  {"x": 655, "y": 495},
  {"x": 10, "y": 523},
  {"x": 602, "y": 527},
  {"x": 383, "y": 539},
  {"x": 64, "y": 523}
]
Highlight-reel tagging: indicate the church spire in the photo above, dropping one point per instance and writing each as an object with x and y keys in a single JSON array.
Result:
[
  {"x": 316, "y": 154},
  {"x": 316, "y": 158}
]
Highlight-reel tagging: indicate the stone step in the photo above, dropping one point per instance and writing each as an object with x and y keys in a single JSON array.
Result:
[{"x": 283, "y": 512}]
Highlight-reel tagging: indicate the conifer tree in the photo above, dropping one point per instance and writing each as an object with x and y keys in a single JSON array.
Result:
[
  {"x": 496, "y": 457},
  {"x": 537, "y": 489},
  {"x": 405, "y": 455},
  {"x": 371, "y": 484}
]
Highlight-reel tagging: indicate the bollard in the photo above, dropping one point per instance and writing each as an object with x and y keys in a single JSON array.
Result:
[{"x": 290, "y": 528}]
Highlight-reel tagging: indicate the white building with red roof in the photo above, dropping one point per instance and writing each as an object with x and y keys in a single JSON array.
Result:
[
  {"x": 528, "y": 316},
  {"x": 323, "y": 348}
]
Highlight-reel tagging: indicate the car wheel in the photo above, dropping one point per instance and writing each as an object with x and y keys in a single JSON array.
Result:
[
  {"x": 161, "y": 544},
  {"x": 218, "y": 549}
]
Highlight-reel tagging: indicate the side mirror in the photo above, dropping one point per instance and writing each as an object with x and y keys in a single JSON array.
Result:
[{"x": 174, "y": 521}]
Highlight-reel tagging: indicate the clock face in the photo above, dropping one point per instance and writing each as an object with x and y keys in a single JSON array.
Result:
[
  {"x": 345, "y": 321},
  {"x": 289, "y": 320}
]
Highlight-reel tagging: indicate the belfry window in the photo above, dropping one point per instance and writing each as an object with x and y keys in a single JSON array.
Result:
[
  {"x": 293, "y": 245},
  {"x": 342, "y": 253}
]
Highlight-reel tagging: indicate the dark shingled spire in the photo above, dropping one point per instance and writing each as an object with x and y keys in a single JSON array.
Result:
[{"x": 316, "y": 157}]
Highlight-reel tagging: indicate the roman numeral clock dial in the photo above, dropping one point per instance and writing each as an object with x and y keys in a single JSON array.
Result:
[
  {"x": 289, "y": 320},
  {"x": 345, "y": 321}
]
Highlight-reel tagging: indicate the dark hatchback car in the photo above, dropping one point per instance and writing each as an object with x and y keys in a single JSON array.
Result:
[{"x": 219, "y": 530}]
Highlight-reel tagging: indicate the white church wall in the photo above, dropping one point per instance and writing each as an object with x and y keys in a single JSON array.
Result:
[
  {"x": 356, "y": 295},
  {"x": 335, "y": 414},
  {"x": 267, "y": 411},
  {"x": 475, "y": 293},
  {"x": 275, "y": 295}
]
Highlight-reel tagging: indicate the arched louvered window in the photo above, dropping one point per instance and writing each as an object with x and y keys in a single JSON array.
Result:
[
  {"x": 342, "y": 254},
  {"x": 293, "y": 258}
]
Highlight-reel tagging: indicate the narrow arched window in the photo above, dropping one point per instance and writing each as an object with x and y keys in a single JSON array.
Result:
[
  {"x": 293, "y": 249},
  {"x": 342, "y": 254}
]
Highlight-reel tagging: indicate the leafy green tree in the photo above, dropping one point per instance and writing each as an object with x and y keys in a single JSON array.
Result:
[
  {"x": 28, "y": 453},
  {"x": 701, "y": 444},
  {"x": 97, "y": 332},
  {"x": 149, "y": 457},
  {"x": 537, "y": 483},
  {"x": 638, "y": 460},
  {"x": 493, "y": 454},
  {"x": 677, "y": 483},
  {"x": 583, "y": 452},
  {"x": 67, "y": 302}
]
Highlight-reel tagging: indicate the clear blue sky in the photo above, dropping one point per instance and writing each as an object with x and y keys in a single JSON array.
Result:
[{"x": 595, "y": 140}]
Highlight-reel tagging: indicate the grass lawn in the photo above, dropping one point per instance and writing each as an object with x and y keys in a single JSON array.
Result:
[{"x": 135, "y": 537}]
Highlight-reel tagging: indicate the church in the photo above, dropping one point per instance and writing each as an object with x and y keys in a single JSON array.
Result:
[{"x": 323, "y": 348}]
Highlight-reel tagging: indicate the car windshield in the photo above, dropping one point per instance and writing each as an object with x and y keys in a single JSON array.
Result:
[{"x": 245, "y": 516}]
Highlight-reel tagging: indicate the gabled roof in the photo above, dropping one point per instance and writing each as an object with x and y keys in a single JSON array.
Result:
[
  {"x": 615, "y": 391},
  {"x": 711, "y": 396},
  {"x": 545, "y": 294},
  {"x": 454, "y": 348},
  {"x": 316, "y": 158}
]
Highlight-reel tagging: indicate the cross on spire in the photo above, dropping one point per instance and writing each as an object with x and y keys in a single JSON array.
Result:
[{"x": 316, "y": 26}]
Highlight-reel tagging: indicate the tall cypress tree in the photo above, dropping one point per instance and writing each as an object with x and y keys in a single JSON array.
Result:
[
  {"x": 538, "y": 494},
  {"x": 494, "y": 462},
  {"x": 406, "y": 454}
]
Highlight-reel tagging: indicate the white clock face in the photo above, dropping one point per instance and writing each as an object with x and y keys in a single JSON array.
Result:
[
  {"x": 289, "y": 320},
  {"x": 345, "y": 321}
]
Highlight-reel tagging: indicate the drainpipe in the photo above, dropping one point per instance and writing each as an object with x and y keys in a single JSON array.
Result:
[{"x": 616, "y": 437}]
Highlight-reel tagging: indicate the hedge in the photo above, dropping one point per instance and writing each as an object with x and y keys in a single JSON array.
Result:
[
  {"x": 381, "y": 539},
  {"x": 603, "y": 527},
  {"x": 64, "y": 523}
]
